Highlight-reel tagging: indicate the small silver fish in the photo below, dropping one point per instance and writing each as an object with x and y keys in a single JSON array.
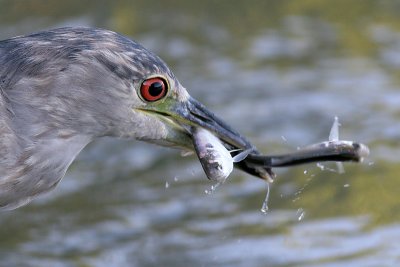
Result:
[
  {"x": 215, "y": 159},
  {"x": 332, "y": 150},
  {"x": 334, "y": 142}
]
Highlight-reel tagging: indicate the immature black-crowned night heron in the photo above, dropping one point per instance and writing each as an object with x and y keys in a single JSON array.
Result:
[{"x": 61, "y": 89}]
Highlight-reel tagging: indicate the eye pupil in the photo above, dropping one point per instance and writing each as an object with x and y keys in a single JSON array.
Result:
[
  {"x": 156, "y": 89},
  {"x": 153, "y": 89}
]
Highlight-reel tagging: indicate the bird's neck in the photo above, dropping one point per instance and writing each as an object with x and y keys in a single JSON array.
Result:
[{"x": 38, "y": 168}]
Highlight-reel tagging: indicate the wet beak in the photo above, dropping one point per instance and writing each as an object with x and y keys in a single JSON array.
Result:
[
  {"x": 194, "y": 114},
  {"x": 178, "y": 120}
]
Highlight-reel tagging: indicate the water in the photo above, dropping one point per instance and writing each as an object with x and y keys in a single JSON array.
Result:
[
  {"x": 264, "y": 207},
  {"x": 212, "y": 188},
  {"x": 272, "y": 69},
  {"x": 300, "y": 213}
]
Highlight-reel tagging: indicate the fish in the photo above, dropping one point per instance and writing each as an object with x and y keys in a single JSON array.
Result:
[
  {"x": 332, "y": 150},
  {"x": 216, "y": 161},
  {"x": 360, "y": 150}
]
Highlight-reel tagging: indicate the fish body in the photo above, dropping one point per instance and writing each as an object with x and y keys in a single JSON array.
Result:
[
  {"x": 358, "y": 150},
  {"x": 332, "y": 150},
  {"x": 215, "y": 159}
]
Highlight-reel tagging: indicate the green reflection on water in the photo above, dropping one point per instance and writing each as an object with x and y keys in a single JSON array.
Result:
[
  {"x": 369, "y": 190},
  {"x": 243, "y": 19},
  {"x": 339, "y": 29}
]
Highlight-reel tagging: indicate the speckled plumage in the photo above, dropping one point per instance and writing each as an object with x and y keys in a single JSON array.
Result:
[
  {"x": 62, "y": 88},
  {"x": 59, "y": 90}
]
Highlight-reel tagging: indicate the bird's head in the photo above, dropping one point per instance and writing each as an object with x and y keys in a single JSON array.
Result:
[{"x": 99, "y": 83}]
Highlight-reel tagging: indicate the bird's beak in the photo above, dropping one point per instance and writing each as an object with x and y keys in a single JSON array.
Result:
[
  {"x": 178, "y": 119},
  {"x": 193, "y": 113},
  {"x": 181, "y": 117}
]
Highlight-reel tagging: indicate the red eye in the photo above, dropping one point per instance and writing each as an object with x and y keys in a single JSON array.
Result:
[{"x": 153, "y": 89}]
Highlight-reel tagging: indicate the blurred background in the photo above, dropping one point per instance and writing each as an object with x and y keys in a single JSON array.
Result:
[{"x": 278, "y": 71}]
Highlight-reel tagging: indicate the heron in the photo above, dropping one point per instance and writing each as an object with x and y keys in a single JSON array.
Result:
[{"x": 60, "y": 89}]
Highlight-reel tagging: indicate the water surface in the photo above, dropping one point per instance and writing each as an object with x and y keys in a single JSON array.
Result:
[{"x": 278, "y": 71}]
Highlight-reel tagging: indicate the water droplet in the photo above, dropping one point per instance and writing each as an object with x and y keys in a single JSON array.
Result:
[
  {"x": 264, "y": 208},
  {"x": 319, "y": 165},
  {"x": 212, "y": 189},
  {"x": 176, "y": 179},
  {"x": 301, "y": 213},
  {"x": 283, "y": 138},
  {"x": 371, "y": 163},
  {"x": 296, "y": 199},
  {"x": 346, "y": 185},
  {"x": 324, "y": 168},
  {"x": 305, "y": 172},
  {"x": 166, "y": 185}
]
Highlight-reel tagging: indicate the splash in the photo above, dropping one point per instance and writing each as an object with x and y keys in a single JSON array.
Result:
[
  {"x": 325, "y": 168},
  {"x": 212, "y": 189},
  {"x": 264, "y": 209},
  {"x": 301, "y": 213}
]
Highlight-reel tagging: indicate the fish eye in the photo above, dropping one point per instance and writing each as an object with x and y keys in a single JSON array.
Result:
[{"x": 153, "y": 89}]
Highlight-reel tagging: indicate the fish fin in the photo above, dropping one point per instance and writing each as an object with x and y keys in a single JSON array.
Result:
[
  {"x": 242, "y": 155},
  {"x": 340, "y": 167},
  {"x": 334, "y": 133}
]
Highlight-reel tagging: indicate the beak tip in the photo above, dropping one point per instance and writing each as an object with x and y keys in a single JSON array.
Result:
[{"x": 266, "y": 174}]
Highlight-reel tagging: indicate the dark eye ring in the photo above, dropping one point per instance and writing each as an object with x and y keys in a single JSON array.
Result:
[{"x": 153, "y": 89}]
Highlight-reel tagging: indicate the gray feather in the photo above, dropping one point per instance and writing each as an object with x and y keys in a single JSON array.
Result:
[{"x": 59, "y": 90}]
